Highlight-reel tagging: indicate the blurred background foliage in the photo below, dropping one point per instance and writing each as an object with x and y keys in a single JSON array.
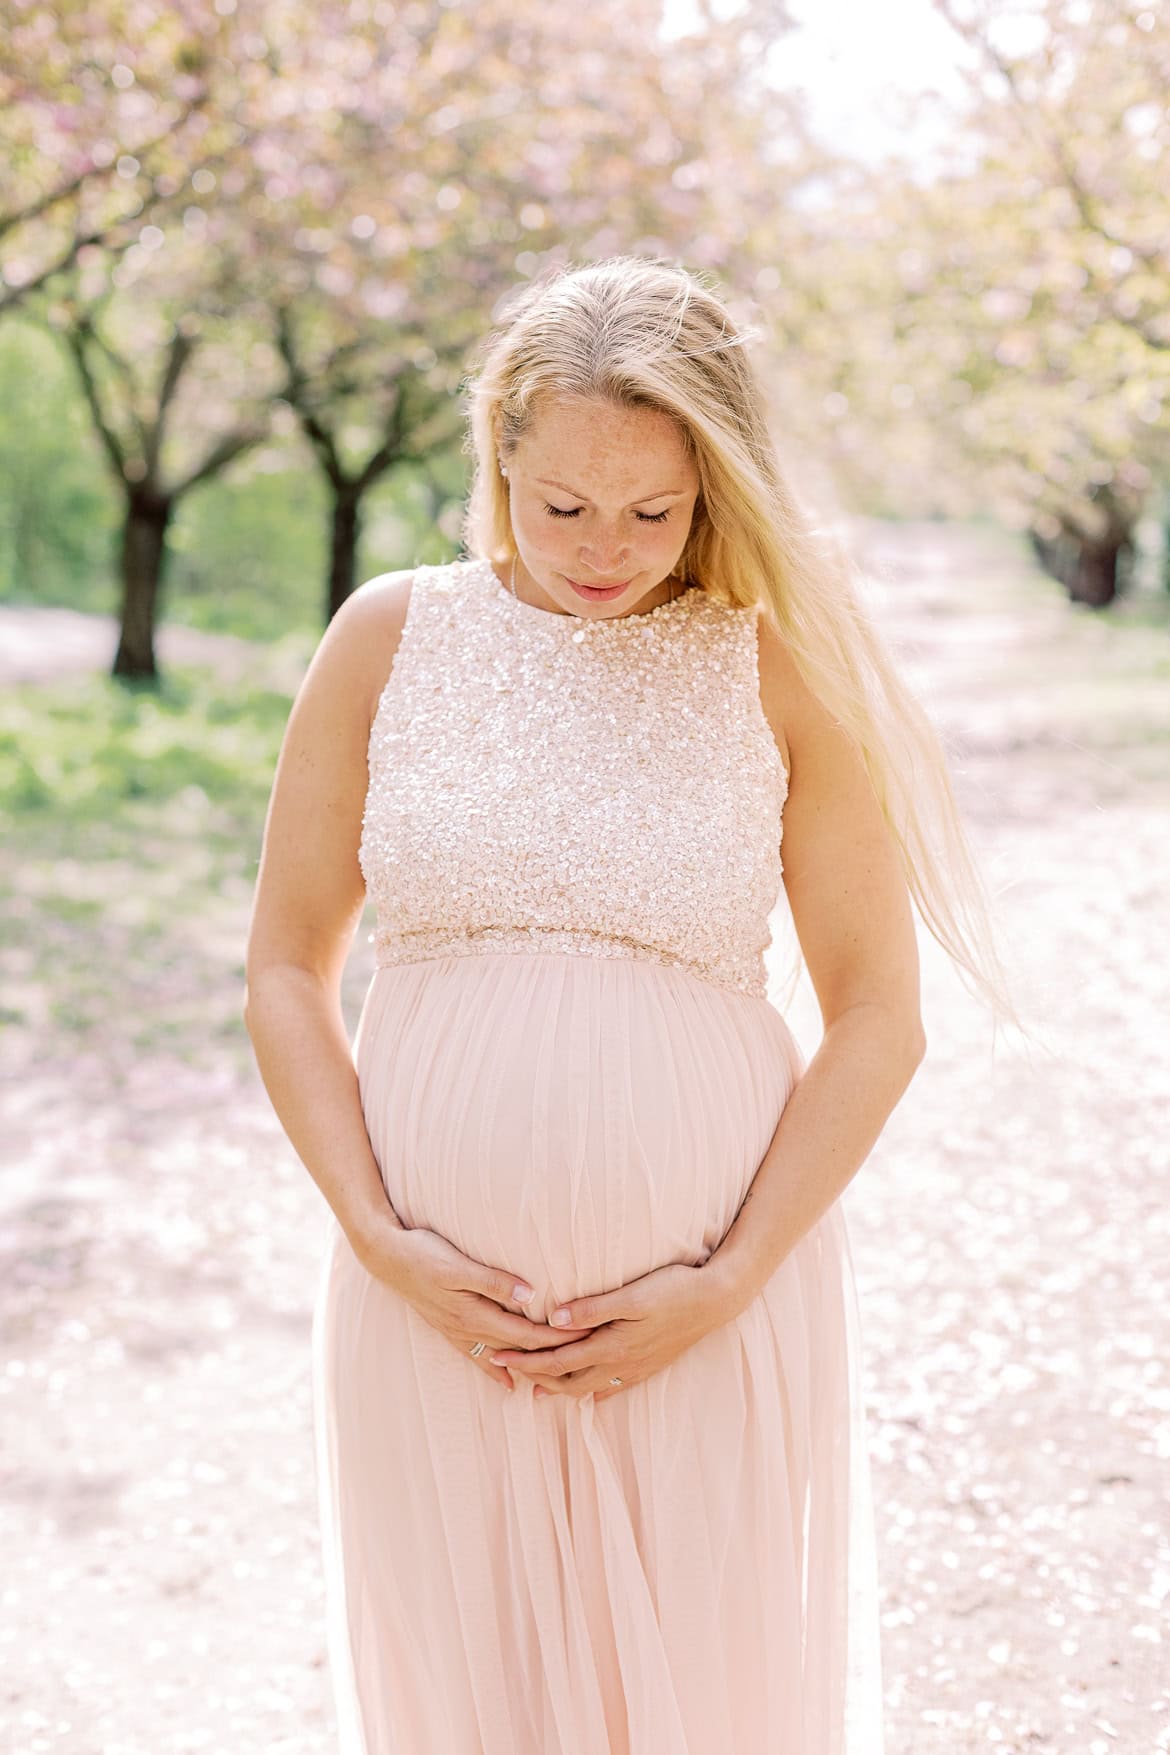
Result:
[{"x": 245, "y": 254}]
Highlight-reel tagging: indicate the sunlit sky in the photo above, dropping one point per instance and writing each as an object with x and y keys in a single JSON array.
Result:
[{"x": 853, "y": 58}]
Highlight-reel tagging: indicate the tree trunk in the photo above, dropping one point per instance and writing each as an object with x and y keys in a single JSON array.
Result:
[
  {"x": 1057, "y": 555},
  {"x": 1095, "y": 581},
  {"x": 346, "y": 530},
  {"x": 144, "y": 535}
]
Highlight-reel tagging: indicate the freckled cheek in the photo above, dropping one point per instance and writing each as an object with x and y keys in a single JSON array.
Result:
[
  {"x": 539, "y": 538},
  {"x": 550, "y": 545}
]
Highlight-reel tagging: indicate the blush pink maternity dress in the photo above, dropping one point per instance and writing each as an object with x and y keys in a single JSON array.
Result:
[{"x": 569, "y": 1068}]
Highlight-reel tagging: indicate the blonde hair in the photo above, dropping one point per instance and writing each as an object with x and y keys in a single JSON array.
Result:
[{"x": 644, "y": 333}]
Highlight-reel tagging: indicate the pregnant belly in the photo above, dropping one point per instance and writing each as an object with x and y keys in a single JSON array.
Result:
[{"x": 576, "y": 1120}]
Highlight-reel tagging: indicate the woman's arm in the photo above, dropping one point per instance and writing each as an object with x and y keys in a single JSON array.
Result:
[
  {"x": 309, "y": 899},
  {"x": 851, "y": 909}
]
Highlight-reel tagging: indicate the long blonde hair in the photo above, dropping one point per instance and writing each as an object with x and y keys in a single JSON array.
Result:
[{"x": 645, "y": 333}]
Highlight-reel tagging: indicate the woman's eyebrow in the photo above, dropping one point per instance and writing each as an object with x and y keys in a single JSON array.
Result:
[{"x": 565, "y": 488}]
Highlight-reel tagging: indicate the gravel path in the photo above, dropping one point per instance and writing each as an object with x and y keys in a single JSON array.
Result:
[{"x": 158, "y": 1259}]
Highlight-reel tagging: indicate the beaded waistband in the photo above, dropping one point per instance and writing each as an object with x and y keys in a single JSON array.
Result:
[{"x": 392, "y": 949}]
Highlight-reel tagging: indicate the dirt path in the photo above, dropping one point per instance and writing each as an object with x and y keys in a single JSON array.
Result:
[
  {"x": 158, "y": 1538},
  {"x": 39, "y": 644}
]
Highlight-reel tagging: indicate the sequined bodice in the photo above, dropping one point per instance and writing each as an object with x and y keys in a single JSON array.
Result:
[{"x": 540, "y": 782}]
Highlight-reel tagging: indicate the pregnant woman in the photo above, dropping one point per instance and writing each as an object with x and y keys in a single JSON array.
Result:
[{"x": 590, "y": 1434}]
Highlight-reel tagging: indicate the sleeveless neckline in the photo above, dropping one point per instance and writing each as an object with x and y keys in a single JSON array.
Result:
[{"x": 534, "y": 611}]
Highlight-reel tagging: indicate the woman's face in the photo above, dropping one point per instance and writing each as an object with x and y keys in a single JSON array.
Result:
[{"x": 599, "y": 496}]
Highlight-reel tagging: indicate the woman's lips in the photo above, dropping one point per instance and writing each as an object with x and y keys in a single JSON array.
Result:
[{"x": 598, "y": 593}]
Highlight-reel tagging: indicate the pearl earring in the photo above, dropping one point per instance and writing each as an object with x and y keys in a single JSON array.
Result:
[{"x": 503, "y": 470}]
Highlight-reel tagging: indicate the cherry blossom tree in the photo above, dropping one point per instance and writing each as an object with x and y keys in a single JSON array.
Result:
[
  {"x": 1004, "y": 328},
  {"x": 1072, "y": 104},
  {"x": 106, "y": 112},
  {"x": 395, "y": 171}
]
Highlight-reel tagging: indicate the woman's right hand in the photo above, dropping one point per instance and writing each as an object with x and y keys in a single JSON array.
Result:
[{"x": 460, "y": 1297}]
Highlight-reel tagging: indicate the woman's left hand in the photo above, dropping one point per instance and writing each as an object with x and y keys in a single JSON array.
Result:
[{"x": 640, "y": 1328}]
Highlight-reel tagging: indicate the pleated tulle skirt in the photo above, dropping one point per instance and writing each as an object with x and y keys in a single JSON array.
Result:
[{"x": 684, "y": 1568}]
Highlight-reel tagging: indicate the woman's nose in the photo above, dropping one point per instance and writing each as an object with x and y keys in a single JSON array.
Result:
[{"x": 603, "y": 560}]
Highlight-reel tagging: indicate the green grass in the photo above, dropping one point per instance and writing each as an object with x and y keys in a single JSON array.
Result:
[
  {"x": 92, "y": 750},
  {"x": 133, "y": 827}
]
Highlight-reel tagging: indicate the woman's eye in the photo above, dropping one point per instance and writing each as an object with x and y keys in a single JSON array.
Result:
[{"x": 643, "y": 517}]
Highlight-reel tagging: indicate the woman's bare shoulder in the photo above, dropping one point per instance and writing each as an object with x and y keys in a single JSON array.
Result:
[
  {"x": 356, "y": 654},
  {"x": 783, "y": 690},
  {"x": 807, "y": 733}
]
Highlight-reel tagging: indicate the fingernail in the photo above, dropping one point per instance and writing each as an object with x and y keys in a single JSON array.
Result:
[
  {"x": 522, "y": 1294},
  {"x": 498, "y": 1359},
  {"x": 561, "y": 1318}
]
